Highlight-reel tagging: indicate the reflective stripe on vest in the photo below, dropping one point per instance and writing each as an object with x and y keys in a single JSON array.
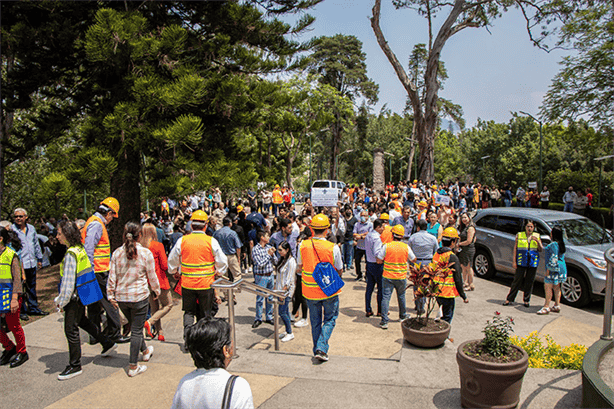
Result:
[
  {"x": 525, "y": 256},
  {"x": 102, "y": 251},
  {"x": 310, "y": 288},
  {"x": 386, "y": 235},
  {"x": 197, "y": 261},
  {"x": 277, "y": 197},
  {"x": 6, "y": 279},
  {"x": 395, "y": 260},
  {"x": 86, "y": 283},
  {"x": 447, "y": 288}
]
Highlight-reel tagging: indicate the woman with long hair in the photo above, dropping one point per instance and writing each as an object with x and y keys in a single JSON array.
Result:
[
  {"x": 74, "y": 271},
  {"x": 160, "y": 306},
  {"x": 285, "y": 281},
  {"x": 556, "y": 269},
  {"x": 466, "y": 230},
  {"x": 132, "y": 273},
  {"x": 526, "y": 259}
]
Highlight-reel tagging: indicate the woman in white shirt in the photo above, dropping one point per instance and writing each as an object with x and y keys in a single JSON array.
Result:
[
  {"x": 285, "y": 281},
  {"x": 211, "y": 348}
]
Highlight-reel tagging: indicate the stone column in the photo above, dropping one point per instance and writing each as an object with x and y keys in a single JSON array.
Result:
[{"x": 379, "y": 175}]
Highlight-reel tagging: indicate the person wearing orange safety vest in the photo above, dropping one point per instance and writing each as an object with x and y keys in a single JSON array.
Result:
[
  {"x": 197, "y": 259},
  {"x": 278, "y": 199},
  {"x": 98, "y": 248},
  {"x": 452, "y": 285},
  {"x": 323, "y": 309},
  {"x": 386, "y": 235},
  {"x": 396, "y": 256}
]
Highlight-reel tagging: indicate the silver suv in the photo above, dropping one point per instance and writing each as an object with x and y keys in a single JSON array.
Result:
[{"x": 585, "y": 241}]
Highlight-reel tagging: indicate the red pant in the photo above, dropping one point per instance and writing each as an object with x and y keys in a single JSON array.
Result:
[{"x": 12, "y": 321}]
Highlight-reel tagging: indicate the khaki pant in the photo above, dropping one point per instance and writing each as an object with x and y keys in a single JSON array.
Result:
[{"x": 234, "y": 267}]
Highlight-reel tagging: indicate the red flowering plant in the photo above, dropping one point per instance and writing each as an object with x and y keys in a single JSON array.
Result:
[{"x": 427, "y": 281}]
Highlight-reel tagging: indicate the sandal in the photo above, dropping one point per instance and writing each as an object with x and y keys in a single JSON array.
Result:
[
  {"x": 543, "y": 311},
  {"x": 555, "y": 308},
  {"x": 506, "y": 303}
]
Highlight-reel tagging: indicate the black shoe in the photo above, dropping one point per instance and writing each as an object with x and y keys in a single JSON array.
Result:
[
  {"x": 38, "y": 313},
  {"x": 108, "y": 349},
  {"x": 19, "y": 359},
  {"x": 368, "y": 314},
  {"x": 270, "y": 322},
  {"x": 24, "y": 317},
  {"x": 121, "y": 340},
  {"x": 321, "y": 356},
  {"x": 7, "y": 355},
  {"x": 256, "y": 324},
  {"x": 527, "y": 305},
  {"x": 70, "y": 372},
  {"x": 358, "y": 278},
  {"x": 93, "y": 341}
]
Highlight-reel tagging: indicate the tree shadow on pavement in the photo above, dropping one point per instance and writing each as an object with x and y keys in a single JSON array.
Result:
[{"x": 572, "y": 399}]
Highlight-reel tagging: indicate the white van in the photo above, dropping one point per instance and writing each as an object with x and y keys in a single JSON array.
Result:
[{"x": 326, "y": 192}]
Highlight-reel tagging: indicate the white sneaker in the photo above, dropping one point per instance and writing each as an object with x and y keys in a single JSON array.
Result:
[
  {"x": 148, "y": 353},
  {"x": 139, "y": 370},
  {"x": 288, "y": 337},
  {"x": 301, "y": 323}
]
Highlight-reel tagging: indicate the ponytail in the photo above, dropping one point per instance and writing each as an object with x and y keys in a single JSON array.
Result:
[
  {"x": 557, "y": 235},
  {"x": 132, "y": 231}
]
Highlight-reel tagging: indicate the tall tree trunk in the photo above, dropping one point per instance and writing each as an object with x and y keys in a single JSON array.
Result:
[
  {"x": 5, "y": 129},
  {"x": 268, "y": 151},
  {"x": 379, "y": 172},
  {"x": 126, "y": 188},
  {"x": 337, "y": 133}
]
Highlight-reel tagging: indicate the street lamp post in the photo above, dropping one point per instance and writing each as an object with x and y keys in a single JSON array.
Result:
[
  {"x": 401, "y": 168},
  {"x": 601, "y": 159},
  {"x": 484, "y": 163},
  {"x": 541, "y": 139},
  {"x": 337, "y": 162}
]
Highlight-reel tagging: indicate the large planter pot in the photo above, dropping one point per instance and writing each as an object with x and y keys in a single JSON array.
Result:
[
  {"x": 490, "y": 384},
  {"x": 425, "y": 339}
]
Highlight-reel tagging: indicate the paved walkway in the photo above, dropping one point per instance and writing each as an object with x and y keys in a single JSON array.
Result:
[{"x": 368, "y": 367}]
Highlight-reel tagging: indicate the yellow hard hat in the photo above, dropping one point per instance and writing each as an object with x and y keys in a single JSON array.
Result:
[
  {"x": 320, "y": 221},
  {"x": 276, "y": 186},
  {"x": 239, "y": 208},
  {"x": 451, "y": 233},
  {"x": 415, "y": 180},
  {"x": 395, "y": 195},
  {"x": 199, "y": 216},
  {"x": 112, "y": 204},
  {"x": 398, "y": 230},
  {"x": 384, "y": 216},
  {"x": 423, "y": 203}
]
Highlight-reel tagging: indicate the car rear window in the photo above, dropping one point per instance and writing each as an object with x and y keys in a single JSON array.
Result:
[
  {"x": 490, "y": 222},
  {"x": 508, "y": 224},
  {"x": 321, "y": 183}
]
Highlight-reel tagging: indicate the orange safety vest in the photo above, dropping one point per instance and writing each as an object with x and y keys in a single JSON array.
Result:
[
  {"x": 310, "y": 288},
  {"x": 397, "y": 206},
  {"x": 102, "y": 250},
  {"x": 395, "y": 260},
  {"x": 197, "y": 261},
  {"x": 277, "y": 197},
  {"x": 447, "y": 287},
  {"x": 386, "y": 235}
]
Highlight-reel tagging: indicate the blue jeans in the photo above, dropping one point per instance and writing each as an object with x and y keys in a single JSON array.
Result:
[
  {"x": 348, "y": 253},
  {"x": 321, "y": 330},
  {"x": 568, "y": 207},
  {"x": 30, "y": 301},
  {"x": 388, "y": 285},
  {"x": 507, "y": 202},
  {"x": 374, "y": 277},
  {"x": 447, "y": 307},
  {"x": 284, "y": 313},
  {"x": 266, "y": 282}
]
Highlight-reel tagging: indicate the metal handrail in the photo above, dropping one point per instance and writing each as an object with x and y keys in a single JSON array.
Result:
[
  {"x": 609, "y": 284},
  {"x": 278, "y": 297}
]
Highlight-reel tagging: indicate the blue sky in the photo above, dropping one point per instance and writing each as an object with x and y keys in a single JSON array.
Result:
[{"x": 490, "y": 74}]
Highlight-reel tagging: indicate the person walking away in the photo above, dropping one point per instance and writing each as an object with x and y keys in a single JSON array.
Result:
[
  {"x": 361, "y": 229},
  {"x": 162, "y": 304},
  {"x": 212, "y": 349},
  {"x": 10, "y": 301},
  {"x": 569, "y": 198},
  {"x": 31, "y": 257},
  {"x": 396, "y": 256},
  {"x": 423, "y": 245},
  {"x": 556, "y": 271},
  {"x": 526, "y": 259},
  {"x": 451, "y": 286},
  {"x": 375, "y": 266},
  {"x": 323, "y": 309},
  {"x": 132, "y": 274},
  {"x": 466, "y": 250},
  {"x": 544, "y": 197},
  {"x": 97, "y": 245},
  {"x": 265, "y": 257},
  {"x": 278, "y": 200},
  {"x": 386, "y": 235},
  {"x": 76, "y": 290},
  {"x": 231, "y": 245},
  {"x": 285, "y": 281},
  {"x": 199, "y": 256},
  {"x": 348, "y": 242}
]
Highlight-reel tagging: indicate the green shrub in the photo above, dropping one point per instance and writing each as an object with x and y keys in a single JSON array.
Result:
[{"x": 551, "y": 355}]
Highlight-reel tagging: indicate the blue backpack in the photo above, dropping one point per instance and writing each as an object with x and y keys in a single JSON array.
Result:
[{"x": 326, "y": 276}]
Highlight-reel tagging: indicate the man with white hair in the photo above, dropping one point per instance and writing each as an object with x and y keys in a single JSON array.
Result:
[{"x": 31, "y": 259}]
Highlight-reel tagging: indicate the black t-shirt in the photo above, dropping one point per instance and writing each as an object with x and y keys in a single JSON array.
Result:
[{"x": 349, "y": 228}]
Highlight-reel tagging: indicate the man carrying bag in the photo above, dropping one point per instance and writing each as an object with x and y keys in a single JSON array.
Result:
[{"x": 320, "y": 263}]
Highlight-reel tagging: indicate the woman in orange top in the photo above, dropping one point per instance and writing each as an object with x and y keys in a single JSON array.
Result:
[{"x": 161, "y": 305}]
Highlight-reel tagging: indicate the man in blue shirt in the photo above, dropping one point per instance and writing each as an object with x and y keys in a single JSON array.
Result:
[
  {"x": 375, "y": 267},
  {"x": 406, "y": 221},
  {"x": 285, "y": 233},
  {"x": 424, "y": 245},
  {"x": 257, "y": 219},
  {"x": 31, "y": 257},
  {"x": 231, "y": 246}
]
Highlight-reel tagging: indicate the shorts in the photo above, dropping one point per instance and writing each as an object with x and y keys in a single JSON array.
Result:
[{"x": 555, "y": 278}]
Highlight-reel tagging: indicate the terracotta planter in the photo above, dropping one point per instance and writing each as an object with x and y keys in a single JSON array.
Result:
[
  {"x": 490, "y": 384},
  {"x": 425, "y": 339}
]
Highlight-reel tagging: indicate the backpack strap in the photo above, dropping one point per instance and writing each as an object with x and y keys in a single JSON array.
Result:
[
  {"x": 228, "y": 391},
  {"x": 315, "y": 251}
]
